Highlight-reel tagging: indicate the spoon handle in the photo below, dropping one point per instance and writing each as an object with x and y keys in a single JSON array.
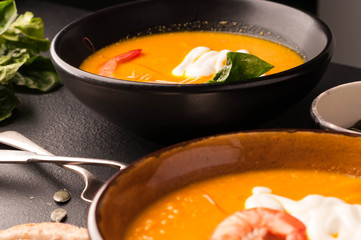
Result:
[
  {"x": 16, "y": 140},
  {"x": 14, "y": 156}
]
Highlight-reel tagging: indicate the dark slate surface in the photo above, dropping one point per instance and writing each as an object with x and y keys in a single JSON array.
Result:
[{"x": 62, "y": 125}]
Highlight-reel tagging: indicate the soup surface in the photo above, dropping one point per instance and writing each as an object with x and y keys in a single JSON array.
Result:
[
  {"x": 195, "y": 211},
  {"x": 162, "y": 53}
]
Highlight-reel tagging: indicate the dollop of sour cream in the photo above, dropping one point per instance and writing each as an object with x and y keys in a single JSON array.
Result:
[
  {"x": 326, "y": 218},
  {"x": 202, "y": 62}
]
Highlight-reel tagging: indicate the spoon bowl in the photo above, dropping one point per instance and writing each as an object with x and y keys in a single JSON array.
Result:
[{"x": 338, "y": 108}]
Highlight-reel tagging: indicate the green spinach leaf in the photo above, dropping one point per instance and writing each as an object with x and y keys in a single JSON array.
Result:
[
  {"x": 21, "y": 42},
  {"x": 27, "y": 32},
  {"x": 8, "y": 102},
  {"x": 8, "y": 14},
  {"x": 241, "y": 66},
  {"x": 11, "y": 62},
  {"x": 38, "y": 73}
]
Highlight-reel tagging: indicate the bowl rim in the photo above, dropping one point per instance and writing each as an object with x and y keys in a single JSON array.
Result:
[
  {"x": 92, "y": 224},
  {"x": 318, "y": 118},
  {"x": 324, "y": 55}
]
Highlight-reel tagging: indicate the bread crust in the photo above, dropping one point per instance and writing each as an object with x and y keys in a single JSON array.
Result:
[{"x": 44, "y": 231}]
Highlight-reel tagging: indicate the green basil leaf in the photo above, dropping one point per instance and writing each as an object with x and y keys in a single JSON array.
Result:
[
  {"x": 241, "y": 66},
  {"x": 37, "y": 73},
  {"x": 12, "y": 62},
  {"x": 8, "y": 102},
  {"x": 8, "y": 14}
]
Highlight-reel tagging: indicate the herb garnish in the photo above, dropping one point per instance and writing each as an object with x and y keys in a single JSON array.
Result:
[
  {"x": 241, "y": 66},
  {"x": 21, "y": 42}
]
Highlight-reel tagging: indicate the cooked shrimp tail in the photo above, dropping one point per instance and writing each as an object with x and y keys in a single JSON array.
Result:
[
  {"x": 259, "y": 224},
  {"x": 107, "y": 69}
]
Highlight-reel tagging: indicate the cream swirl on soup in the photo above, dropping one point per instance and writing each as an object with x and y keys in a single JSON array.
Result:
[
  {"x": 202, "y": 62},
  {"x": 326, "y": 218}
]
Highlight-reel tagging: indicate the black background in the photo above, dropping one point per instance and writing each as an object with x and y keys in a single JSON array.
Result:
[{"x": 307, "y": 5}]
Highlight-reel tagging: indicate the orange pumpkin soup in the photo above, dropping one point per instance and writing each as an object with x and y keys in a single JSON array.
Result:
[
  {"x": 195, "y": 211},
  {"x": 172, "y": 57}
]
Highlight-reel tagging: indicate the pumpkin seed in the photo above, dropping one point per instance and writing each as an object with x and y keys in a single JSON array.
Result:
[
  {"x": 58, "y": 215},
  {"x": 62, "y": 196}
]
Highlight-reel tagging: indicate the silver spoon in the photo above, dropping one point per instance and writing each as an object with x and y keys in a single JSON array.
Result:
[
  {"x": 92, "y": 183},
  {"x": 16, "y": 156}
]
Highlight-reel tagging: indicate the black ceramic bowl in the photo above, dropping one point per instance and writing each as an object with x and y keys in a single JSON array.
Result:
[{"x": 163, "y": 110}]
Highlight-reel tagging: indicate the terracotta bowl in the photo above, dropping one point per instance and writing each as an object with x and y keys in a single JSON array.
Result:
[
  {"x": 162, "y": 172},
  {"x": 186, "y": 111}
]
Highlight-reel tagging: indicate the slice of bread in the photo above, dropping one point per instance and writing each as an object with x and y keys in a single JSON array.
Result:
[{"x": 45, "y": 231}]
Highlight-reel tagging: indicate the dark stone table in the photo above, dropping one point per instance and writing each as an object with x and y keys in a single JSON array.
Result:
[{"x": 62, "y": 125}]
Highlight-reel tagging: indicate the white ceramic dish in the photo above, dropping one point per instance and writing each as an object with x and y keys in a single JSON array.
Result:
[{"x": 338, "y": 108}]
